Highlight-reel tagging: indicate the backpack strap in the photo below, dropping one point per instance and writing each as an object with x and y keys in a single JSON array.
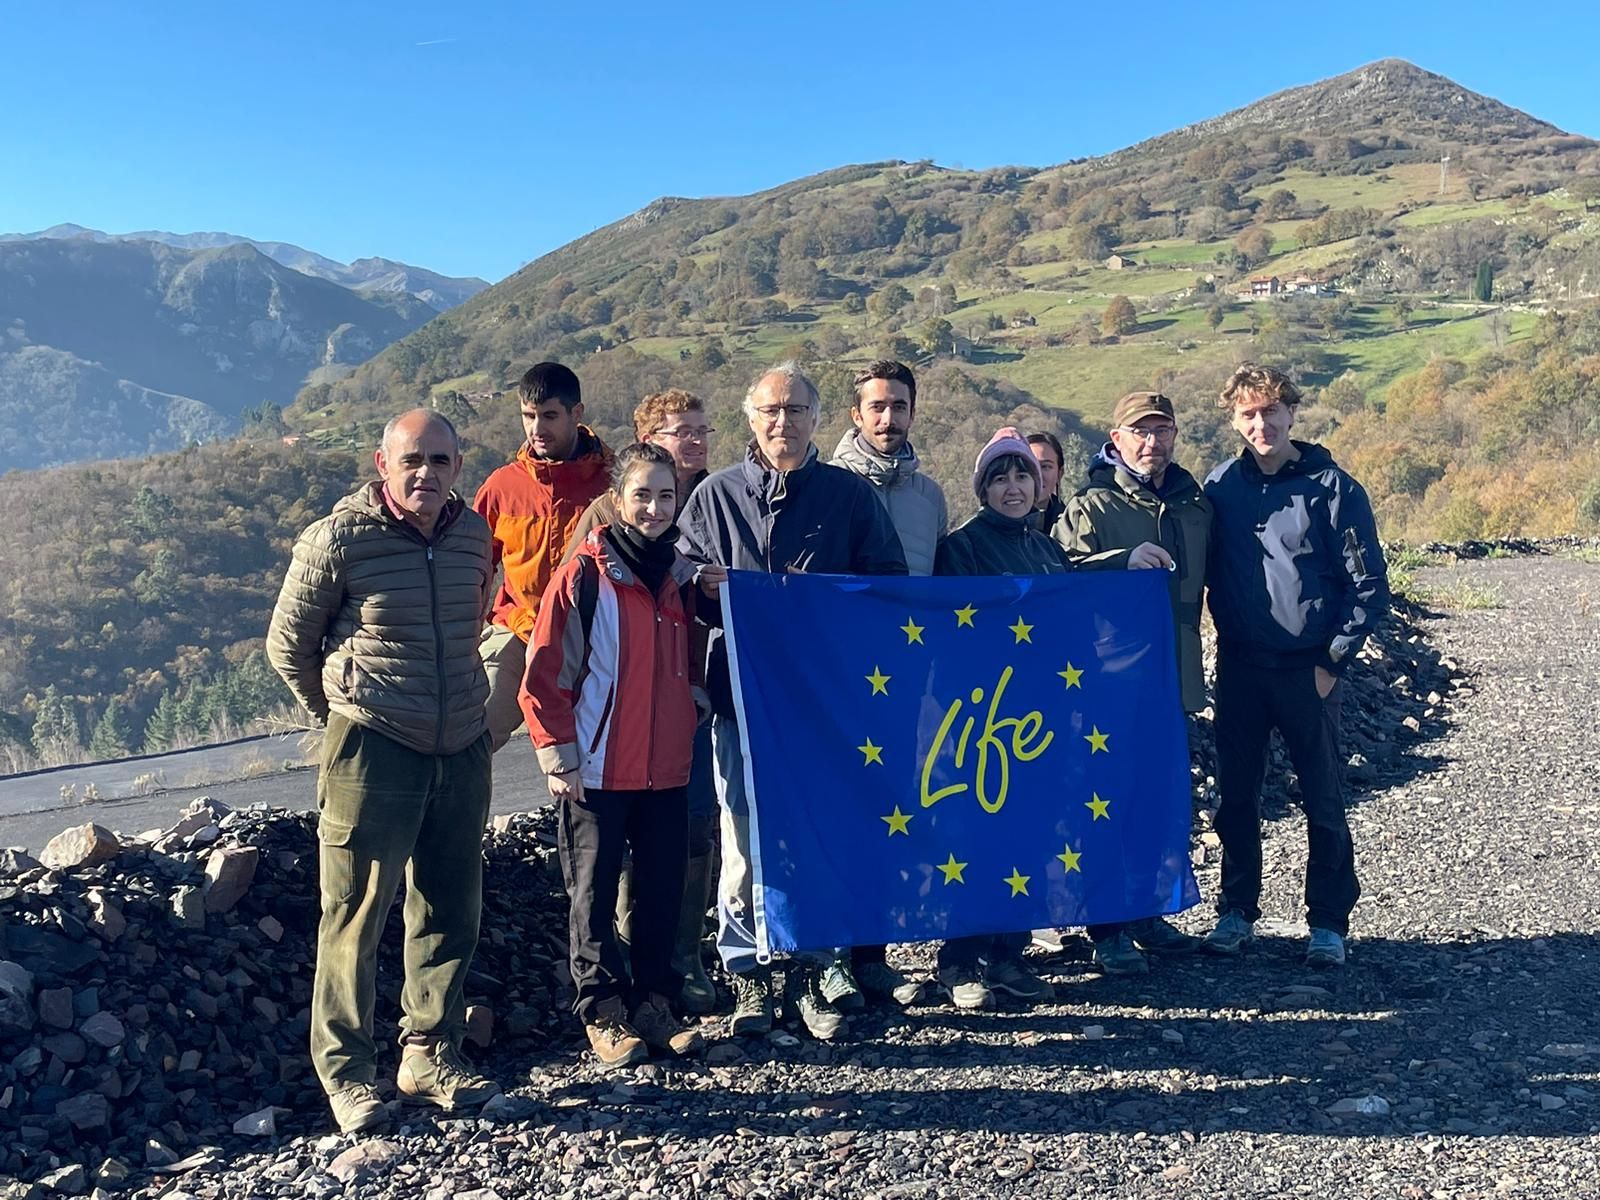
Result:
[{"x": 588, "y": 593}]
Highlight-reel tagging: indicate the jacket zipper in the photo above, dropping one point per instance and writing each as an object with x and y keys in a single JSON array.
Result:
[{"x": 438, "y": 649}]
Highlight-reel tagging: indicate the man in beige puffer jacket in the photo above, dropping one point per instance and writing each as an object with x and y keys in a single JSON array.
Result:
[{"x": 376, "y": 633}]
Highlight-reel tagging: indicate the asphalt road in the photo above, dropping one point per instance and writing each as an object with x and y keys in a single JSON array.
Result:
[{"x": 31, "y": 810}]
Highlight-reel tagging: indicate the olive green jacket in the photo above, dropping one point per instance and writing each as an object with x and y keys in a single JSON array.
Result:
[
  {"x": 379, "y": 624},
  {"x": 1113, "y": 512}
]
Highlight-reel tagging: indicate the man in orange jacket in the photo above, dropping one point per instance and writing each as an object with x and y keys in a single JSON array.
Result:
[{"x": 532, "y": 505}]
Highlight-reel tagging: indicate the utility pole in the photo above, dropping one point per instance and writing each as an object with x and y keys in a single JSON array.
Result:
[{"x": 1443, "y": 167}]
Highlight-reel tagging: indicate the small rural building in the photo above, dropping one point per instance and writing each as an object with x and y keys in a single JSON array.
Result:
[
  {"x": 1265, "y": 285},
  {"x": 1305, "y": 285},
  {"x": 1119, "y": 262}
]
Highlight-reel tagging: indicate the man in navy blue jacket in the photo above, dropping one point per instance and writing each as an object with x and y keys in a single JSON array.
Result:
[
  {"x": 780, "y": 510},
  {"x": 1296, "y": 583}
]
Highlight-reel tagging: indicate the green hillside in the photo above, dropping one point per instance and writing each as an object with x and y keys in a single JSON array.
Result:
[{"x": 1004, "y": 272}]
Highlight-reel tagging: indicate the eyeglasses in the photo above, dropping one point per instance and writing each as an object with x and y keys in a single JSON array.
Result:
[
  {"x": 1151, "y": 433},
  {"x": 769, "y": 412},
  {"x": 688, "y": 433}
]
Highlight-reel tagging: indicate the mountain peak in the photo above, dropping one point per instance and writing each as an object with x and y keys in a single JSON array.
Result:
[{"x": 1389, "y": 97}]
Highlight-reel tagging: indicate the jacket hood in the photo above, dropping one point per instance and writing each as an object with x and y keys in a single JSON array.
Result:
[
  {"x": 1105, "y": 466},
  {"x": 589, "y": 458},
  {"x": 883, "y": 470}
]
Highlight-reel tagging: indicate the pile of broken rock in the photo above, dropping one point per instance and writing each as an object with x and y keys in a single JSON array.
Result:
[{"x": 155, "y": 991}]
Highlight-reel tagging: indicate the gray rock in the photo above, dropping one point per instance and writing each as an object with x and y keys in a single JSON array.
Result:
[
  {"x": 71, "y": 1180},
  {"x": 16, "y": 998},
  {"x": 158, "y": 1155},
  {"x": 88, "y": 1111},
  {"x": 104, "y": 1030},
  {"x": 261, "y": 1123},
  {"x": 55, "y": 1007},
  {"x": 364, "y": 1158},
  {"x": 105, "y": 915},
  {"x": 230, "y": 870},
  {"x": 188, "y": 905}
]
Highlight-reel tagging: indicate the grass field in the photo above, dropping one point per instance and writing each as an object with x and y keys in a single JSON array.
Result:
[{"x": 1386, "y": 190}]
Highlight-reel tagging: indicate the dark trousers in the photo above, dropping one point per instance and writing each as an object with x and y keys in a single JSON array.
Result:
[
  {"x": 595, "y": 834},
  {"x": 966, "y": 951},
  {"x": 1251, "y": 702}
]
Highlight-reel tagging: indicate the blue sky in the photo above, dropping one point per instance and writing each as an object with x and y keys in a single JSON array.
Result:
[{"x": 472, "y": 137}]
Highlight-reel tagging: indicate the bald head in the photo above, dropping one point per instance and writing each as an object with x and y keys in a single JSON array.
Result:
[
  {"x": 419, "y": 461},
  {"x": 414, "y": 420}
]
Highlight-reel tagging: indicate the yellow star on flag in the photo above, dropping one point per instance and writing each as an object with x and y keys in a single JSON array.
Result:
[
  {"x": 1069, "y": 859},
  {"x": 1022, "y": 629},
  {"x": 1097, "y": 741},
  {"x": 913, "y": 631},
  {"x": 1072, "y": 674},
  {"x": 879, "y": 682},
  {"x": 952, "y": 870},
  {"x": 964, "y": 617},
  {"x": 1018, "y": 882},
  {"x": 898, "y": 822},
  {"x": 1100, "y": 808},
  {"x": 874, "y": 754}
]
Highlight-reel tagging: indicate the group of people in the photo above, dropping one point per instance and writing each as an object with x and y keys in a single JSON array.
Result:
[{"x": 579, "y": 593}]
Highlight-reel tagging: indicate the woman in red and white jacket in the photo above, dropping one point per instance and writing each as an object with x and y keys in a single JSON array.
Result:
[{"x": 612, "y": 710}]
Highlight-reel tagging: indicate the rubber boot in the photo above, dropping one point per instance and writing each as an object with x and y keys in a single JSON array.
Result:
[{"x": 698, "y": 995}]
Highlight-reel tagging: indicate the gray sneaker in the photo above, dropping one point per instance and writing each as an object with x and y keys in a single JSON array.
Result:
[
  {"x": 1012, "y": 976},
  {"x": 882, "y": 982},
  {"x": 822, "y": 1020},
  {"x": 965, "y": 987},
  {"x": 839, "y": 985},
  {"x": 1233, "y": 932},
  {"x": 1117, "y": 955},
  {"x": 1326, "y": 949}
]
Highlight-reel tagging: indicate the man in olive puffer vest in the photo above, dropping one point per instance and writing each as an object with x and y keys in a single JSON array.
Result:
[
  {"x": 376, "y": 633},
  {"x": 1138, "y": 508}
]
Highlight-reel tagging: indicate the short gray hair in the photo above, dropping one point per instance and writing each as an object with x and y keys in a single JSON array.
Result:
[
  {"x": 434, "y": 417},
  {"x": 797, "y": 378}
]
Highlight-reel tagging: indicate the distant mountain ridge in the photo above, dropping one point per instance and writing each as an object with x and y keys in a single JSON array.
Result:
[
  {"x": 439, "y": 292},
  {"x": 110, "y": 348}
]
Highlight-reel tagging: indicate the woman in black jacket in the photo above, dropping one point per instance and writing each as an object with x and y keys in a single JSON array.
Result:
[{"x": 1002, "y": 538}]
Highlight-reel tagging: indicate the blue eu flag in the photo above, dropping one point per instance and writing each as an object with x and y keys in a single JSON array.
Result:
[{"x": 931, "y": 758}]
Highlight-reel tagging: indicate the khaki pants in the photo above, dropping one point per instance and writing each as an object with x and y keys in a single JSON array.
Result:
[
  {"x": 389, "y": 812},
  {"x": 504, "y": 657}
]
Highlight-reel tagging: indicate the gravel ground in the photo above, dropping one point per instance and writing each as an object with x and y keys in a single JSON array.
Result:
[{"x": 1458, "y": 1055}]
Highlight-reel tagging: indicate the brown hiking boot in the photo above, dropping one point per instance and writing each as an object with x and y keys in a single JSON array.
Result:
[
  {"x": 356, "y": 1107},
  {"x": 661, "y": 1030},
  {"x": 615, "y": 1042},
  {"x": 435, "y": 1073}
]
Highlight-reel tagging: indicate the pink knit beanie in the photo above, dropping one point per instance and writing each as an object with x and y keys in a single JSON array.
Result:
[{"x": 1006, "y": 440}]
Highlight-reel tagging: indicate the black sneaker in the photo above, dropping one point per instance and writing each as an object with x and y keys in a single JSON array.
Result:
[
  {"x": 752, "y": 1002},
  {"x": 1117, "y": 955},
  {"x": 1159, "y": 936}
]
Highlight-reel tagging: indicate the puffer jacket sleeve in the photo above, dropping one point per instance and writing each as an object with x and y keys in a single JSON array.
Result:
[
  {"x": 1080, "y": 544},
  {"x": 556, "y": 656},
  {"x": 1365, "y": 597},
  {"x": 312, "y": 593}
]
